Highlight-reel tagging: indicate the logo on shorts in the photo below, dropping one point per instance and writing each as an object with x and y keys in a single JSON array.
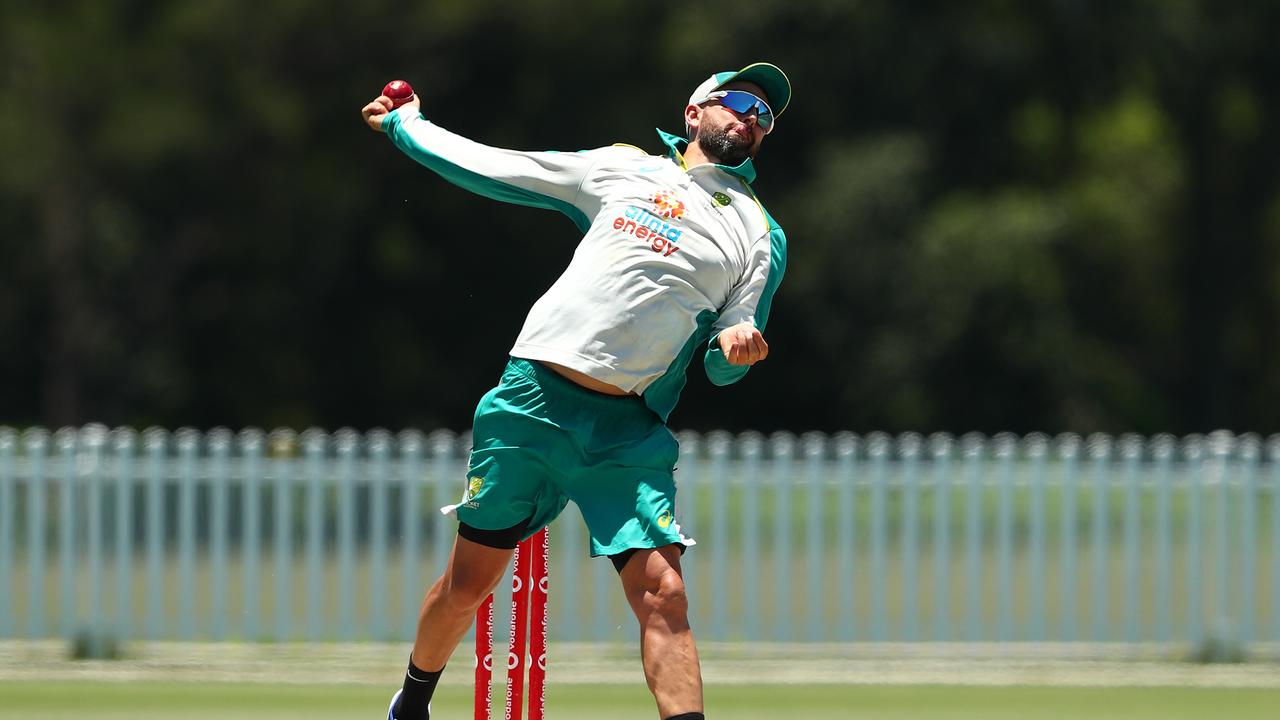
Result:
[
  {"x": 664, "y": 519},
  {"x": 473, "y": 486}
]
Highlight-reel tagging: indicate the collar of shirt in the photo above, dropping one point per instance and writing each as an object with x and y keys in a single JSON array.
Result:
[{"x": 745, "y": 170}]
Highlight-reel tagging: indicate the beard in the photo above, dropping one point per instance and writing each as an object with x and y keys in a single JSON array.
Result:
[{"x": 724, "y": 146}]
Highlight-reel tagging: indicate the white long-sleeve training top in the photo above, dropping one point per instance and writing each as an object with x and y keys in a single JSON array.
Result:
[{"x": 670, "y": 255}]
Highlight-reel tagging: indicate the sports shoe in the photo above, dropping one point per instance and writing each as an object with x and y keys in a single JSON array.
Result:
[{"x": 391, "y": 709}]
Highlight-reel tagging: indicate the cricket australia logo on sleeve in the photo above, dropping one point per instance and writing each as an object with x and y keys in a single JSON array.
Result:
[{"x": 655, "y": 227}]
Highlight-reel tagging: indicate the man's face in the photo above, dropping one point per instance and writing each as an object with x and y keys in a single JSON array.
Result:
[{"x": 723, "y": 134}]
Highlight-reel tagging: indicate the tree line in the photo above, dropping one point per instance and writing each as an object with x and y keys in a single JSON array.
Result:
[{"x": 1001, "y": 216}]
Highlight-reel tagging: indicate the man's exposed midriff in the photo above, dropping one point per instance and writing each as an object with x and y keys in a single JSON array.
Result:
[{"x": 585, "y": 380}]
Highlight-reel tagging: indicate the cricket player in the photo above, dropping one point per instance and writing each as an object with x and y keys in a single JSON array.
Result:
[{"x": 678, "y": 259}]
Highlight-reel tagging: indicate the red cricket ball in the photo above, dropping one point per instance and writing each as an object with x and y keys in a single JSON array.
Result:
[{"x": 399, "y": 91}]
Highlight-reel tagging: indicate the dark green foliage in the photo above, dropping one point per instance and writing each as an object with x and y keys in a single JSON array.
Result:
[{"x": 1003, "y": 216}]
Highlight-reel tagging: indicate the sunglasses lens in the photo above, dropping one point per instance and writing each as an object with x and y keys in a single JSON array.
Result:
[{"x": 741, "y": 102}]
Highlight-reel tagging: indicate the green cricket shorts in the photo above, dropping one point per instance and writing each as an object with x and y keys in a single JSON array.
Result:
[{"x": 540, "y": 440}]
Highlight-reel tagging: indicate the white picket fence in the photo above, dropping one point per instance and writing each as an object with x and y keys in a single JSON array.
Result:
[{"x": 811, "y": 538}]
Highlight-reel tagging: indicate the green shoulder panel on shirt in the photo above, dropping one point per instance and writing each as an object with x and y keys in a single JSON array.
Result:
[
  {"x": 777, "y": 268},
  {"x": 719, "y": 370},
  {"x": 475, "y": 182},
  {"x": 777, "y": 260}
]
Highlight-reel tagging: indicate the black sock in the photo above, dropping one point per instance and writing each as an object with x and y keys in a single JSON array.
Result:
[
  {"x": 419, "y": 686},
  {"x": 688, "y": 716}
]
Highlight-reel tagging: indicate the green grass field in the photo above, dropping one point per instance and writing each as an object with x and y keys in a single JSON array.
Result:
[{"x": 142, "y": 701}]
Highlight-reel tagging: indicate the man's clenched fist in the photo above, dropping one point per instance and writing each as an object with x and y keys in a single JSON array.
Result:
[{"x": 743, "y": 344}]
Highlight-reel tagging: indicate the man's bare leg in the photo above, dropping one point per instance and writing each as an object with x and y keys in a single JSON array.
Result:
[
  {"x": 655, "y": 589},
  {"x": 472, "y": 573}
]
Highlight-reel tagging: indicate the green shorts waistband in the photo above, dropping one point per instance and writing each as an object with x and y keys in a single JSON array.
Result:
[{"x": 549, "y": 379}]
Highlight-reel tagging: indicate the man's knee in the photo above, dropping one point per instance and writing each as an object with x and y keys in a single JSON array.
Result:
[
  {"x": 665, "y": 594},
  {"x": 464, "y": 592}
]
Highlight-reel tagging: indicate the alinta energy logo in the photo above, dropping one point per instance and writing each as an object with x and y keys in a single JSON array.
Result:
[
  {"x": 665, "y": 519},
  {"x": 654, "y": 227}
]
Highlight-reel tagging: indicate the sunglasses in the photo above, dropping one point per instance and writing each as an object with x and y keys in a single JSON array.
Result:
[{"x": 744, "y": 102}]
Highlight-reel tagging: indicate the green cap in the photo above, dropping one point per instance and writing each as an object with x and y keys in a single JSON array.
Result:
[{"x": 770, "y": 78}]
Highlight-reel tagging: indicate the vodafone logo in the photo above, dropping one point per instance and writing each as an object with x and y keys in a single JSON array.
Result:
[{"x": 527, "y": 608}]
